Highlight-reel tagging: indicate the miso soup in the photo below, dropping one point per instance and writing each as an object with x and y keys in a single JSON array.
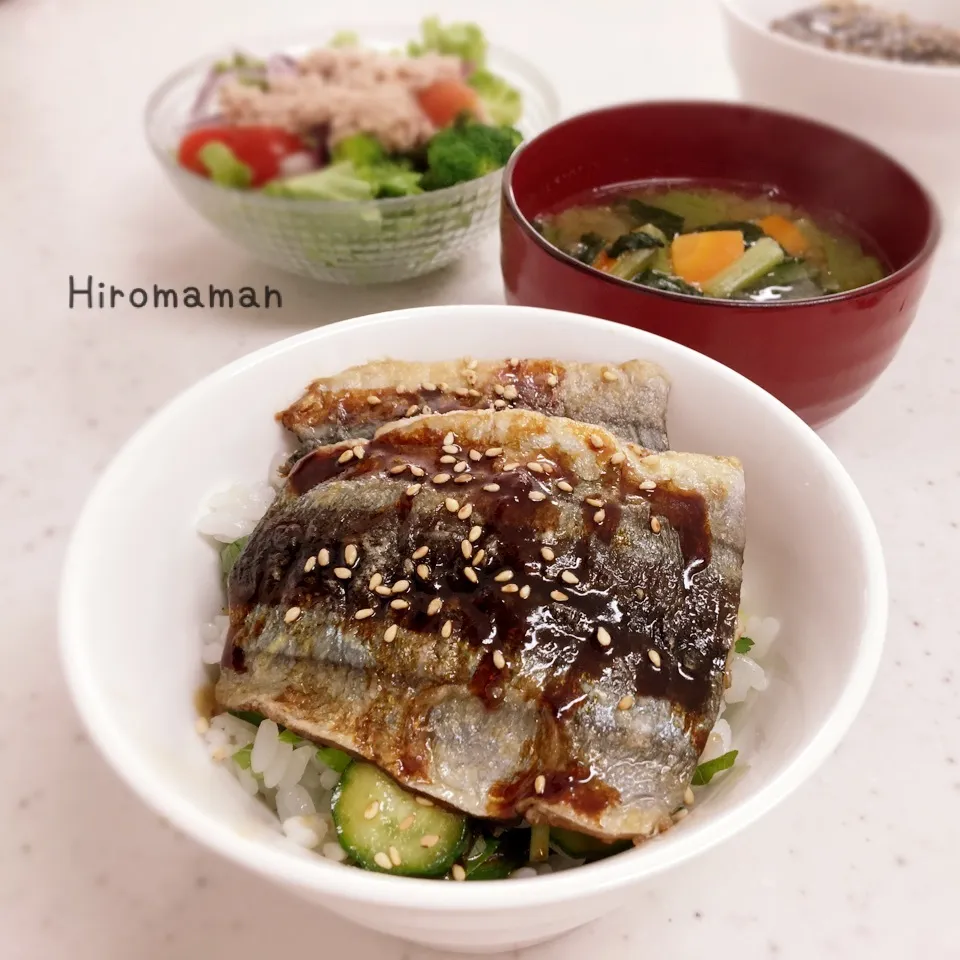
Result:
[{"x": 711, "y": 242}]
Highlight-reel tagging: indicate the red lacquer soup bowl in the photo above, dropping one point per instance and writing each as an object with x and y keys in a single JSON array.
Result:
[{"x": 817, "y": 356}]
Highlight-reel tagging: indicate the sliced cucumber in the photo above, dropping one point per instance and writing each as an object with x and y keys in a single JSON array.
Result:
[
  {"x": 379, "y": 823},
  {"x": 581, "y": 846},
  {"x": 761, "y": 258}
]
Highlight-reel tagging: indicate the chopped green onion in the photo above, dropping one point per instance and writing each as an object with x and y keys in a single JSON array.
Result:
[
  {"x": 743, "y": 645},
  {"x": 333, "y": 758},
  {"x": 761, "y": 258},
  {"x": 707, "y": 771},
  {"x": 539, "y": 842},
  {"x": 242, "y": 757},
  {"x": 288, "y": 736}
]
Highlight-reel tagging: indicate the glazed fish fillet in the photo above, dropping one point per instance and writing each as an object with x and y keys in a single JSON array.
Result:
[
  {"x": 516, "y": 614},
  {"x": 630, "y": 400}
]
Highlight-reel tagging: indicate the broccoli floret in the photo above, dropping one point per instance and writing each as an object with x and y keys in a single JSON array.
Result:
[
  {"x": 340, "y": 181},
  {"x": 466, "y": 151},
  {"x": 503, "y": 103},
  {"x": 464, "y": 40},
  {"x": 361, "y": 150},
  {"x": 393, "y": 178}
]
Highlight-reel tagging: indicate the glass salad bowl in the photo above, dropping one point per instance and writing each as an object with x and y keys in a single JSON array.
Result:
[{"x": 354, "y": 242}]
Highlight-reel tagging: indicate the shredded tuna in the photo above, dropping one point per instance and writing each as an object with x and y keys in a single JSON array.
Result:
[{"x": 348, "y": 90}]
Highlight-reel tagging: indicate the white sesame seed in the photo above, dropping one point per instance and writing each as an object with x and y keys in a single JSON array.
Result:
[
  {"x": 449, "y": 438},
  {"x": 655, "y": 524},
  {"x": 373, "y": 400},
  {"x": 383, "y": 590},
  {"x": 427, "y": 385},
  {"x": 498, "y": 389},
  {"x": 446, "y": 629},
  {"x": 443, "y": 386},
  {"x": 441, "y": 478},
  {"x": 390, "y": 634},
  {"x": 510, "y": 392},
  {"x": 618, "y": 457},
  {"x": 558, "y": 595},
  {"x": 478, "y": 557},
  {"x": 358, "y": 452},
  {"x": 600, "y": 516},
  {"x": 363, "y": 614},
  {"x": 427, "y": 409},
  {"x": 548, "y": 469},
  {"x": 552, "y": 380},
  {"x": 399, "y": 604},
  {"x": 448, "y": 458},
  {"x": 382, "y": 860},
  {"x": 491, "y": 487},
  {"x": 510, "y": 588},
  {"x": 395, "y": 857},
  {"x": 596, "y": 441},
  {"x": 412, "y": 490},
  {"x": 537, "y": 496},
  {"x": 471, "y": 364},
  {"x": 525, "y": 591},
  {"x": 420, "y": 552},
  {"x": 610, "y": 375},
  {"x": 654, "y": 657},
  {"x": 452, "y": 505},
  {"x": 372, "y": 810},
  {"x": 450, "y": 448},
  {"x": 412, "y": 410},
  {"x": 540, "y": 784},
  {"x": 463, "y": 478},
  {"x": 513, "y": 362},
  {"x": 648, "y": 485},
  {"x": 461, "y": 466},
  {"x": 640, "y": 592},
  {"x": 568, "y": 577},
  {"x": 397, "y": 468},
  {"x": 471, "y": 392},
  {"x": 323, "y": 557},
  {"x": 499, "y": 404},
  {"x": 464, "y": 512},
  {"x": 291, "y": 614},
  {"x": 423, "y": 571},
  {"x": 401, "y": 586},
  {"x": 688, "y": 797},
  {"x": 345, "y": 456},
  {"x": 461, "y": 391},
  {"x": 503, "y": 576},
  {"x": 498, "y": 660},
  {"x": 603, "y": 637},
  {"x": 407, "y": 822},
  {"x": 535, "y": 467},
  {"x": 434, "y": 607},
  {"x": 594, "y": 502},
  {"x": 466, "y": 548},
  {"x": 470, "y": 574},
  {"x": 350, "y": 554},
  {"x": 458, "y": 873},
  {"x": 564, "y": 486},
  {"x": 625, "y": 703},
  {"x": 475, "y": 455},
  {"x": 342, "y": 573},
  {"x": 680, "y": 814},
  {"x": 507, "y": 467},
  {"x": 474, "y": 535},
  {"x": 310, "y": 564},
  {"x": 493, "y": 452},
  {"x": 547, "y": 554},
  {"x": 424, "y": 801},
  {"x": 429, "y": 840},
  {"x": 417, "y": 471}
]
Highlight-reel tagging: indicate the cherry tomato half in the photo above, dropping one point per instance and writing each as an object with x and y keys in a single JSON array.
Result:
[{"x": 260, "y": 148}]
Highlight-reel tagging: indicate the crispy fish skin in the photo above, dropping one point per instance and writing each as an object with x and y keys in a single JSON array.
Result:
[
  {"x": 521, "y": 706},
  {"x": 629, "y": 399}
]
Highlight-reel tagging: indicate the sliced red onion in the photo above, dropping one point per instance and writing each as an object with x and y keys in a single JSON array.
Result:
[
  {"x": 281, "y": 65},
  {"x": 296, "y": 163}
]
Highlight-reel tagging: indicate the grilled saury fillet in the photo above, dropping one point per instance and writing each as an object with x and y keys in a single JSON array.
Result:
[
  {"x": 630, "y": 400},
  {"x": 513, "y": 613}
]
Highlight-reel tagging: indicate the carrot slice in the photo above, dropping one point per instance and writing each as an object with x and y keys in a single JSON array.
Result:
[
  {"x": 444, "y": 100},
  {"x": 786, "y": 233},
  {"x": 603, "y": 261},
  {"x": 699, "y": 256}
]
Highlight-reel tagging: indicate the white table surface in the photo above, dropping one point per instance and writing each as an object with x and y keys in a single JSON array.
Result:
[{"x": 861, "y": 862}]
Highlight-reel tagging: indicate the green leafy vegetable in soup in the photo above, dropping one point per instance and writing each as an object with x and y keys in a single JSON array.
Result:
[{"x": 721, "y": 244}]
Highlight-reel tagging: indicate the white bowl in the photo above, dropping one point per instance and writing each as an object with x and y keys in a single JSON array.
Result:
[
  {"x": 912, "y": 111},
  {"x": 139, "y": 580}
]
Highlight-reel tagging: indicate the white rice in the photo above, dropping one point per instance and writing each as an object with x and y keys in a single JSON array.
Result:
[{"x": 289, "y": 776}]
